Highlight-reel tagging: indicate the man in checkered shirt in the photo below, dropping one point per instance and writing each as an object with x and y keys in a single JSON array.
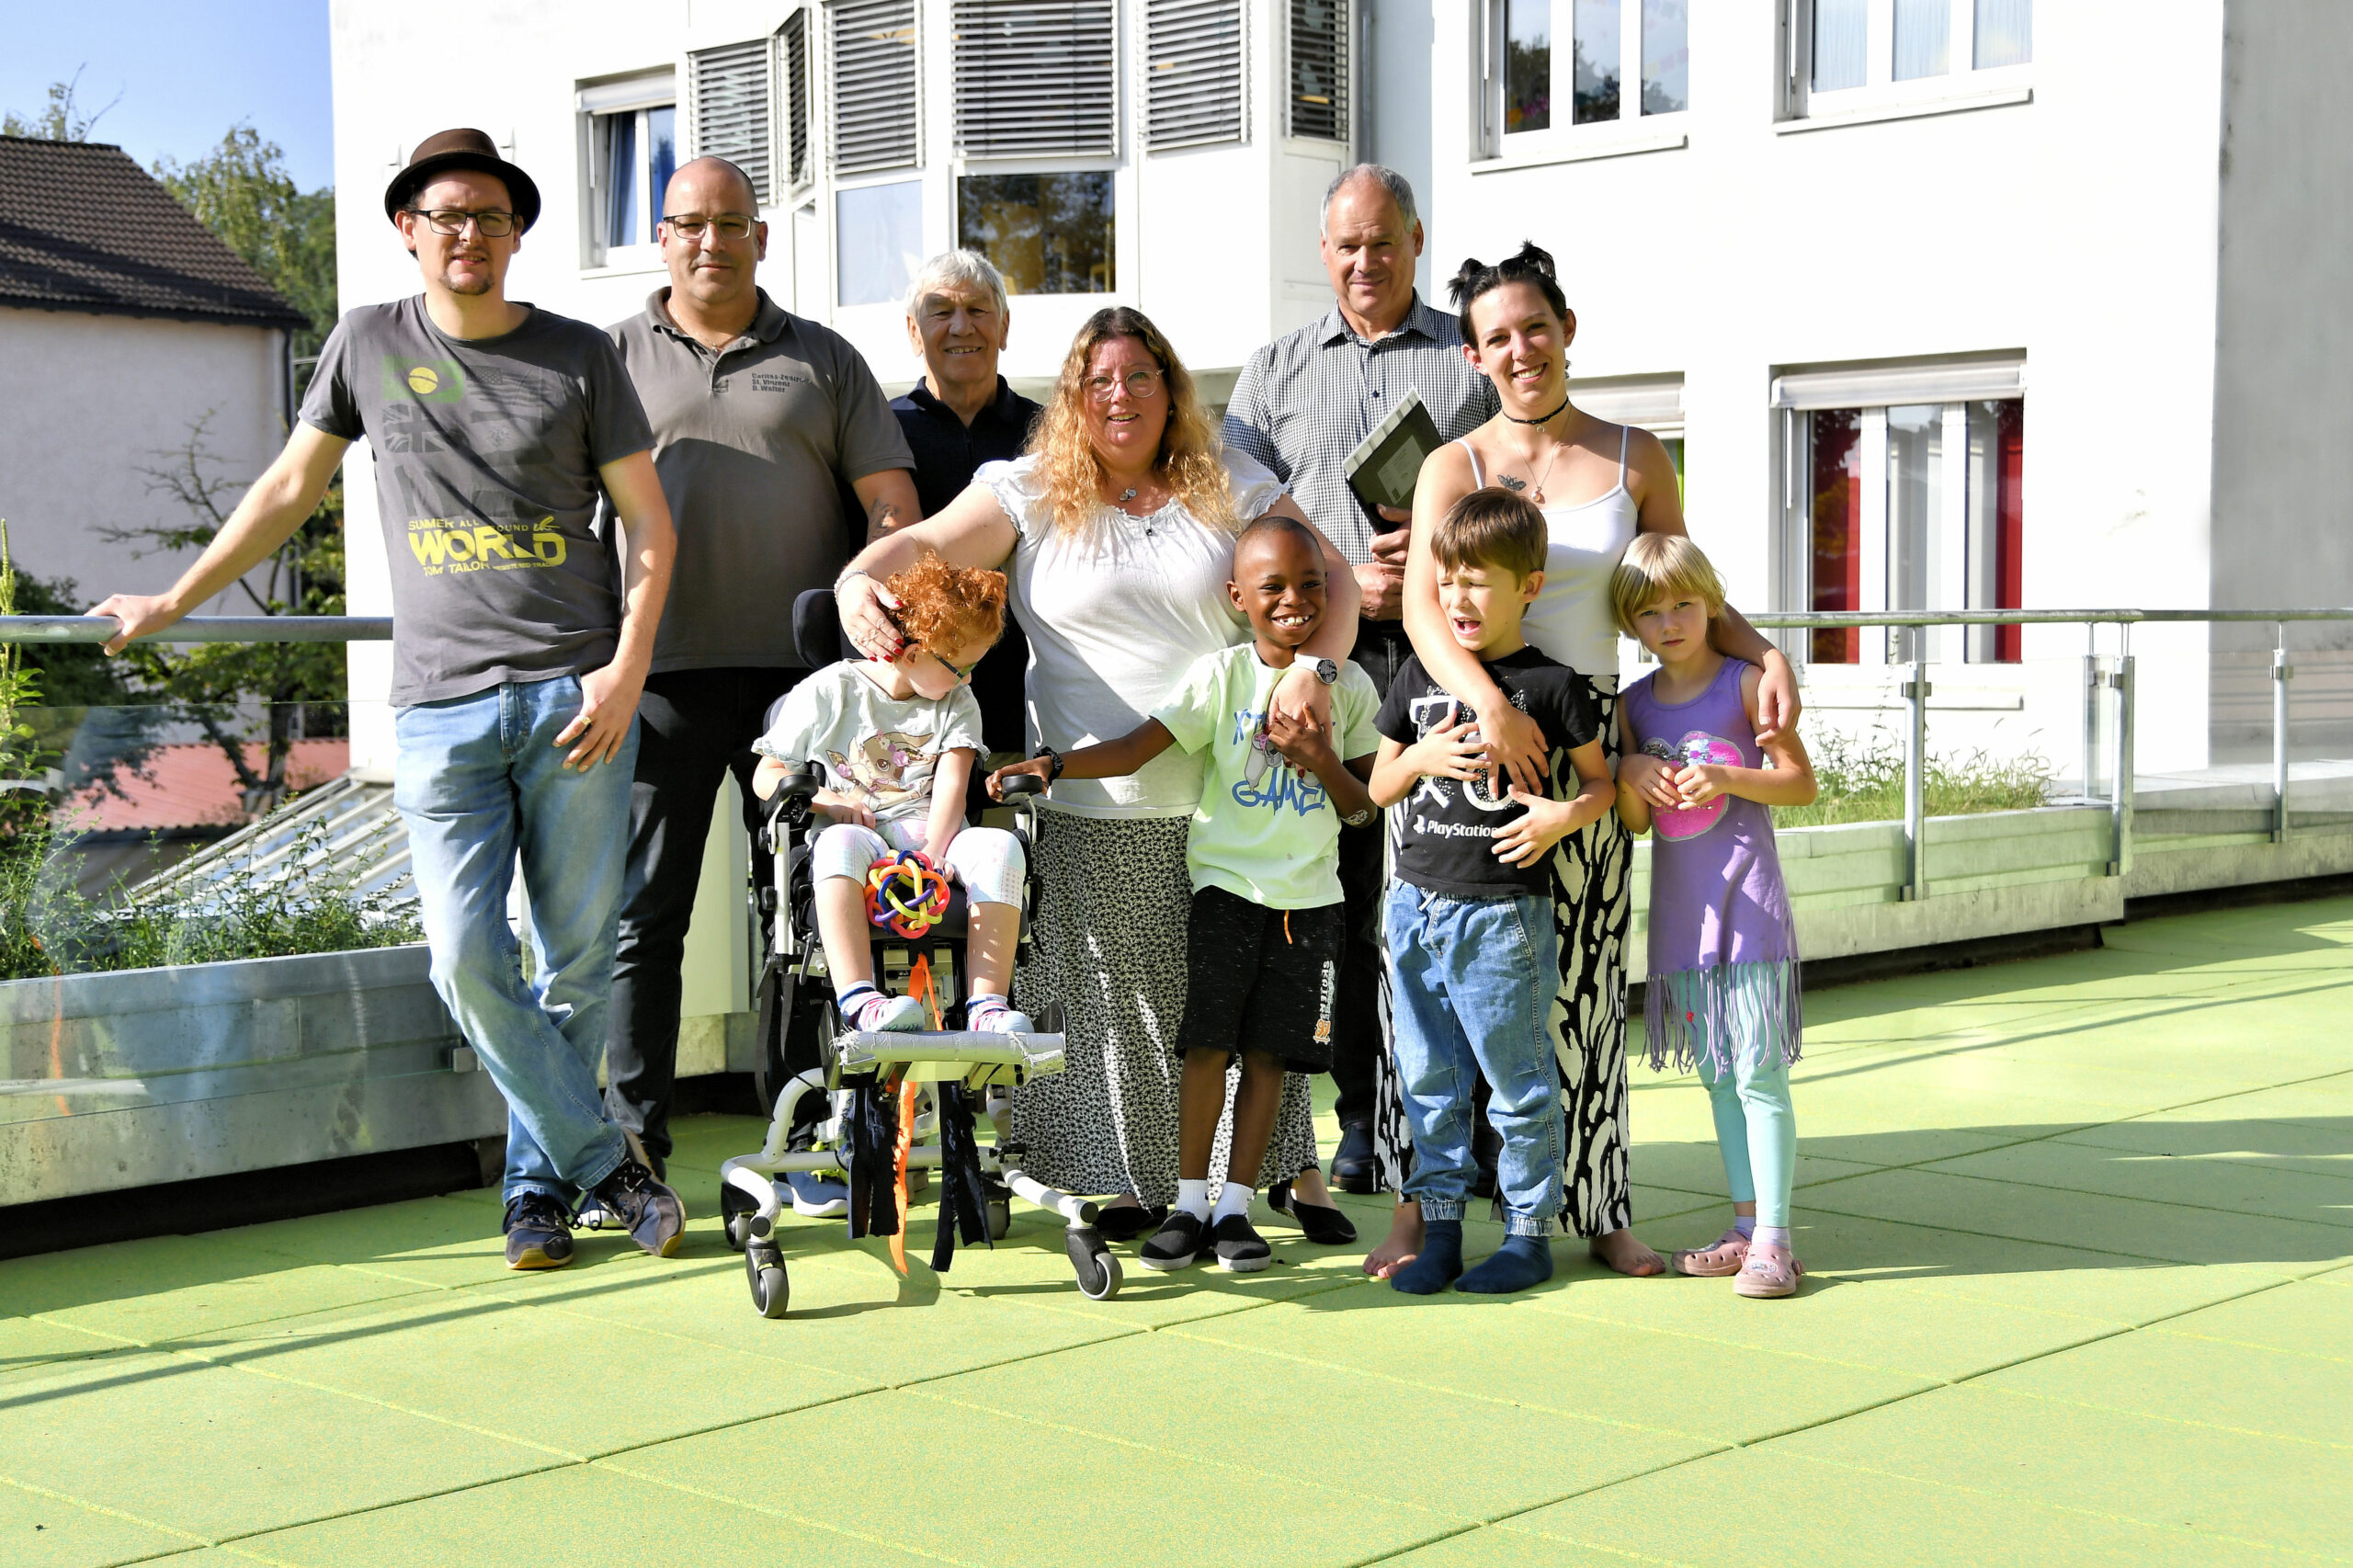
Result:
[{"x": 1300, "y": 406}]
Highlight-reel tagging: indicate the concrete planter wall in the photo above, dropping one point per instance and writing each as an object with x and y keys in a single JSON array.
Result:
[{"x": 122, "y": 1080}]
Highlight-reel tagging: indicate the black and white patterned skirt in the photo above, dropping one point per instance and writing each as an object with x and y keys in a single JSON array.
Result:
[{"x": 1113, "y": 903}]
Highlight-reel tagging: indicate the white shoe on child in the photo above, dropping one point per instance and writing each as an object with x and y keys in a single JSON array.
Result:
[
  {"x": 886, "y": 1015},
  {"x": 999, "y": 1019}
]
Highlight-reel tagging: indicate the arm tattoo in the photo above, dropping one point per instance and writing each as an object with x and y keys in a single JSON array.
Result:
[{"x": 882, "y": 519}]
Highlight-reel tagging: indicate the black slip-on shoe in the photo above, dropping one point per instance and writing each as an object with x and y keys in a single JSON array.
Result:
[
  {"x": 641, "y": 1205},
  {"x": 1178, "y": 1241},
  {"x": 1126, "y": 1222},
  {"x": 538, "y": 1232},
  {"x": 1325, "y": 1227},
  {"x": 1354, "y": 1167},
  {"x": 1240, "y": 1248}
]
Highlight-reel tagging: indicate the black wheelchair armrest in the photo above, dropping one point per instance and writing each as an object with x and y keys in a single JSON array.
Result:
[
  {"x": 801, "y": 783},
  {"x": 789, "y": 807},
  {"x": 1022, "y": 786}
]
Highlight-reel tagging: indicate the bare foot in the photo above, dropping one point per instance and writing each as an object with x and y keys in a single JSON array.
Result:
[
  {"x": 1399, "y": 1247},
  {"x": 1308, "y": 1188},
  {"x": 1622, "y": 1252}
]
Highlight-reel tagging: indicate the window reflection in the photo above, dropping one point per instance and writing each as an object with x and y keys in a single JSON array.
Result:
[
  {"x": 1923, "y": 38},
  {"x": 1595, "y": 40},
  {"x": 1837, "y": 471},
  {"x": 1048, "y": 234},
  {"x": 1839, "y": 52},
  {"x": 1527, "y": 65},
  {"x": 1666, "y": 56},
  {"x": 2005, "y": 33},
  {"x": 879, "y": 232}
]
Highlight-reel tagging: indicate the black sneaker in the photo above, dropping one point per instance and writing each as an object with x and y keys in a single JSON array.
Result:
[
  {"x": 1240, "y": 1249},
  {"x": 641, "y": 1205},
  {"x": 538, "y": 1232},
  {"x": 1175, "y": 1245}
]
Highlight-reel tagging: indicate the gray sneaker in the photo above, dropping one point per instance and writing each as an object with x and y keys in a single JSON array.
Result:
[{"x": 634, "y": 1199}]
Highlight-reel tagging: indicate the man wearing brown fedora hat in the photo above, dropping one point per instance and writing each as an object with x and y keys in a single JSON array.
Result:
[{"x": 519, "y": 649}]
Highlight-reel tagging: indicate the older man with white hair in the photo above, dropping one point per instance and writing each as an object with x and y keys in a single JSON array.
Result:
[
  {"x": 1301, "y": 406},
  {"x": 959, "y": 416}
]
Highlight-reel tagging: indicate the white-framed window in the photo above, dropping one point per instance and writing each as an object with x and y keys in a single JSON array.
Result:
[
  {"x": 1904, "y": 489},
  {"x": 1559, "y": 70},
  {"x": 878, "y": 241},
  {"x": 1316, "y": 70},
  {"x": 1648, "y": 402},
  {"x": 732, "y": 97},
  {"x": 629, "y": 131},
  {"x": 1860, "y": 56},
  {"x": 1037, "y": 103},
  {"x": 1195, "y": 72}
]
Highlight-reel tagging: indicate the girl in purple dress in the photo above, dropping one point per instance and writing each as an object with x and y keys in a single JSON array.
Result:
[{"x": 1722, "y": 991}]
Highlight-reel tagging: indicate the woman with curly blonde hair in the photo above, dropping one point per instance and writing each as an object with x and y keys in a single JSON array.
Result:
[{"x": 1116, "y": 532}]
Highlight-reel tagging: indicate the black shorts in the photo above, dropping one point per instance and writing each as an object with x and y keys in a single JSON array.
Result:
[{"x": 1262, "y": 980}]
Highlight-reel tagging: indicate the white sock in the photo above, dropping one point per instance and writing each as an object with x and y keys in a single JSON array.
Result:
[
  {"x": 1774, "y": 1235},
  {"x": 854, "y": 998},
  {"x": 986, "y": 1002},
  {"x": 1193, "y": 1196},
  {"x": 1745, "y": 1224},
  {"x": 1235, "y": 1199}
]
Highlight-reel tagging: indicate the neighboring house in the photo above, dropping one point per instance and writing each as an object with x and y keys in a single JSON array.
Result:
[
  {"x": 1939, "y": 302},
  {"x": 124, "y": 322}
]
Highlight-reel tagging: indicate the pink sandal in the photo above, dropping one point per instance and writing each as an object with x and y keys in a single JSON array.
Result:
[
  {"x": 1713, "y": 1262},
  {"x": 1771, "y": 1269}
]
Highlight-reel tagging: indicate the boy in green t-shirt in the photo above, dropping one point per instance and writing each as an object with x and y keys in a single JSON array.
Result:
[{"x": 1264, "y": 947}]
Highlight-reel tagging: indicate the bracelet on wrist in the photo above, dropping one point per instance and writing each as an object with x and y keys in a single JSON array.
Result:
[{"x": 848, "y": 572}]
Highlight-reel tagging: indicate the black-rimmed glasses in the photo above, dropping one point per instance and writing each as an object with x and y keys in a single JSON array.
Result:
[
  {"x": 691, "y": 226},
  {"x": 493, "y": 224},
  {"x": 962, "y": 672}
]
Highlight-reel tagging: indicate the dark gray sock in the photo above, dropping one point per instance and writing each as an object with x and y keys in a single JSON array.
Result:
[
  {"x": 1520, "y": 1262},
  {"x": 1438, "y": 1265}
]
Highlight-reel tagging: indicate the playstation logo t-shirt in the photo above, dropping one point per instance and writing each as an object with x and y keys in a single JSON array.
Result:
[
  {"x": 486, "y": 457},
  {"x": 1446, "y": 829}
]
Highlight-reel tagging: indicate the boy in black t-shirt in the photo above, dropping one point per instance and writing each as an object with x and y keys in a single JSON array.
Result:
[{"x": 1471, "y": 947}]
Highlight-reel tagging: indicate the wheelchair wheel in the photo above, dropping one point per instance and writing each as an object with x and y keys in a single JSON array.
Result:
[
  {"x": 764, "y": 1271},
  {"x": 1096, "y": 1265},
  {"x": 735, "y": 1211},
  {"x": 1000, "y": 1218},
  {"x": 1049, "y": 1018}
]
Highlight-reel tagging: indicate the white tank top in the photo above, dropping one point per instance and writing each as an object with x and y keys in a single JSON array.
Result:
[{"x": 1571, "y": 620}]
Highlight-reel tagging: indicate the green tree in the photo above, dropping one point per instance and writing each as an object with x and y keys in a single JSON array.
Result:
[
  {"x": 242, "y": 192},
  {"x": 63, "y": 120}
]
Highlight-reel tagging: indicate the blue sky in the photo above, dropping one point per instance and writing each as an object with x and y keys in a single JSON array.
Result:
[{"x": 186, "y": 70}]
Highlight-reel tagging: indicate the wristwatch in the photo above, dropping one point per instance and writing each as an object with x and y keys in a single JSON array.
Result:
[{"x": 1326, "y": 671}]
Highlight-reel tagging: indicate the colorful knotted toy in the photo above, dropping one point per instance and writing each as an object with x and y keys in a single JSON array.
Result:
[{"x": 905, "y": 895}]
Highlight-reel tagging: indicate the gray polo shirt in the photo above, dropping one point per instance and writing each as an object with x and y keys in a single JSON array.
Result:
[
  {"x": 757, "y": 444},
  {"x": 1304, "y": 401}
]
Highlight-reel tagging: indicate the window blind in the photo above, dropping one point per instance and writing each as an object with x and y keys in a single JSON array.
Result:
[
  {"x": 793, "y": 55},
  {"x": 1319, "y": 69},
  {"x": 729, "y": 88},
  {"x": 876, "y": 124},
  {"x": 1193, "y": 55},
  {"x": 1036, "y": 78}
]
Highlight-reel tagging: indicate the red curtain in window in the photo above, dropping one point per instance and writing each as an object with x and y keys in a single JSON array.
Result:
[
  {"x": 1838, "y": 461},
  {"x": 2009, "y": 522}
]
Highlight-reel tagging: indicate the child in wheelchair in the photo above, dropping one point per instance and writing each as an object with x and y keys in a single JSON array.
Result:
[{"x": 895, "y": 743}]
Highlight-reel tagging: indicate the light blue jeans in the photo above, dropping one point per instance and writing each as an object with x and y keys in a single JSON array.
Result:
[
  {"x": 480, "y": 781},
  {"x": 1473, "y": 982}
]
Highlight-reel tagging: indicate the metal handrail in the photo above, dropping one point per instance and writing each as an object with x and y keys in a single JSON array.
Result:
[
  {"x": 203, "y": 629},
  {"x": 2110, "y": 678}
]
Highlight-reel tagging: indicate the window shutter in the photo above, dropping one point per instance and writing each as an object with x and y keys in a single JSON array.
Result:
[
  {"x": 792, "y": 52},
  {"x": 1319, "y": 69},
  {"x": 1193, "y": 53},
  {"x": 875, "y": 122},
  {"x": 1037, "y": 78},
  {"x": 729, "y": 90}
]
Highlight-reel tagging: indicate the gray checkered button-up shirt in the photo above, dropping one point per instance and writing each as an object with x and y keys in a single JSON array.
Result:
[{"x": 1306, "y": 400}]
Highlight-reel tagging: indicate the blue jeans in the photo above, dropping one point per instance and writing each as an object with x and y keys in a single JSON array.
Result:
[
  {"x": 1473, "y": 982},
  {"x": 478, "y": 781}
]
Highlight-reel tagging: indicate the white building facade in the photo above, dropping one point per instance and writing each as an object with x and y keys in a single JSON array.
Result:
[{"x": 1939, "y": 302}]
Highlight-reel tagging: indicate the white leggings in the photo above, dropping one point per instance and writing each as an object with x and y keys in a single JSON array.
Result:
[{"x": 986, "y": 860}]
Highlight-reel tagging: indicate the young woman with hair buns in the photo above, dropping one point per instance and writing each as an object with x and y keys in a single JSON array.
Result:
[{"x": 1599, "y": 484}]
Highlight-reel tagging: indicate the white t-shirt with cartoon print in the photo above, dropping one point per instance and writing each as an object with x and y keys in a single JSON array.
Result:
[{"x": 876, "y": 749}]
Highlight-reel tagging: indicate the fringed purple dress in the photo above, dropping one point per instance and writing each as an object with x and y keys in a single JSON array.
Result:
[{"x": 1723, "y": 953}]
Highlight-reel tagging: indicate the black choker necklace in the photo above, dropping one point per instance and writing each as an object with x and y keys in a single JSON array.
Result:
[{"x": 1546, "y": 420}]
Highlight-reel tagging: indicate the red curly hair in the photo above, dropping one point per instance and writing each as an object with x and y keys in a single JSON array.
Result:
[{"x": 949, "y": 607}]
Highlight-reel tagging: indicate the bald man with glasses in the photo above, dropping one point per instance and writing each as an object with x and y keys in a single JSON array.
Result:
[{"x": 780, "y": 457}]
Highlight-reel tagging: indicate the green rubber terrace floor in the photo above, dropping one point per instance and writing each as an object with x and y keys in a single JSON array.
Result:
[{"x": 2080, "y": 1234}]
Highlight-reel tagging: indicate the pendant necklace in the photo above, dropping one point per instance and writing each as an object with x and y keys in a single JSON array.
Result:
[
  {"x": 1127, "y": 495},
  {"x": 1536, "y": 490}
]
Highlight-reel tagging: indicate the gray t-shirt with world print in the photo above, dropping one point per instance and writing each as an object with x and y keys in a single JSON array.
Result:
[{"x": 486, "y": 457}]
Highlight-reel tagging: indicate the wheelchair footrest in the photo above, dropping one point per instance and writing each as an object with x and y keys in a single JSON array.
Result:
[{"x": 957, "y": 1051}]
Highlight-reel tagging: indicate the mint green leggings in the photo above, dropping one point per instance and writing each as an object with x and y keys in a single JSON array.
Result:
[{"x": 1757, "y": 1130}]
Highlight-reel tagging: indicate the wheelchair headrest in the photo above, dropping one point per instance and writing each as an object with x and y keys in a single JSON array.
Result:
[{"x": 817, "y": 634}]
